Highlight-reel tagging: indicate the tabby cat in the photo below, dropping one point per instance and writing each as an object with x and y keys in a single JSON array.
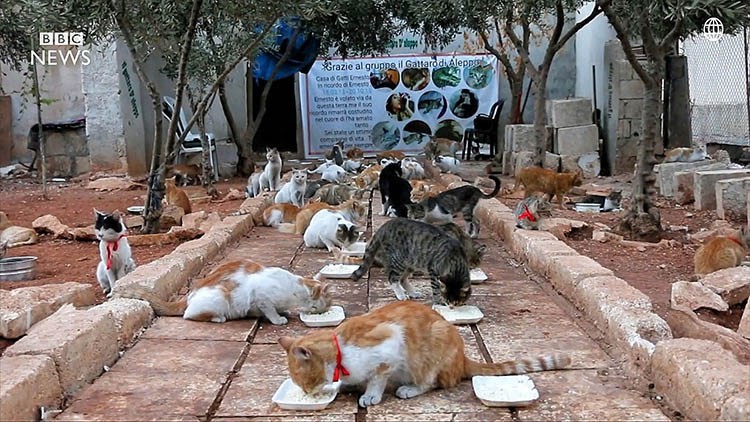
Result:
[
  {"x": 722, "y": 252},
  {"x": 474, "y": 251},
  {"x": 186, "y": 174},
  {"x": 529, "y": 211},
  {"x": 239, "y": 289},
  {"x": 404, "y": 246},
  {"x": 537, "y": 179},
  {"x": 442, "y": 207},
  {"x": 335, "y": 194},
  {"x": 405, "y": 344}
]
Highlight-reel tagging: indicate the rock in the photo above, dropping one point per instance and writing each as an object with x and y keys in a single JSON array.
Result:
[
  {"x": 688, "y": 215},
  {"x": 569, "y": 163},
  {"x": 233, "y": 195},
  {"x": 210, "y": 221},
  {"x": 82, "y": 233},
  {"x": 184, "y": 233},
  {"x": 194, "y": 219},
  {"x": 678, "y": 228},
  {"x": 134, "y": 221},
  {"x": 551, "y": 161},
  {"x": 50, "y": 224},
  {"x": 113, "y": 183},
  {"x": 695, "y": 296},
  {"x": 744, "y": 328},
  {"x": 732, "y": 284},
  {"x": 605, "y": 236},
  {"x": 590, "y": 165},
  {"x": 171, "y": 215}
]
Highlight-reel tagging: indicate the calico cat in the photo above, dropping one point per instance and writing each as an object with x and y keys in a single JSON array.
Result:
[
  {"x": 537, "y": 179},
  {"x": 529, "y": 211},
  {"x": 186, "y": 174},
  {"x": 271, "y": 177},
  {"x": 607, "y": 203},
  {"x": 395, "y": 191},
  {"x": 405, "y": 344},
  {"x": 368, "y": 179},
  {"x": 335, "y": 194},
  {"x": 722, "y": 252},
  {"x": 280, "y": 213},
  {"x": 177, "y": 196},
  {"x": 239, "y": 289},
  {"x": 404, "y": 246},
  {"x": 253, "y": 188},
  {"x": 114, "y": 250},
  {"x": 293, "y": 192},
  {"x": 442, "y": 146},
  {"x": 352, "y": 209},
  {"x": 474, "y": 250},
  {"x": 447, "y": 164},
  {"x": 685, "y": 155},
  {"x": 442, "y": 207},
  {"x": 329, "y": 229}
]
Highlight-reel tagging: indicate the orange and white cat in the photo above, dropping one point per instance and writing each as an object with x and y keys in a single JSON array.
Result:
[
  {"x": 722, "y": 252},
  {"x": 352, "y": 209},
  {"x": 177, "y": 196},
  {"x": 239, "y": 289},
  {"x": 404, "y": 344},
  {"x": 537, "y": 179},
  {"x": 280, "y": 213},
  {"x": 368, "y": 179}
]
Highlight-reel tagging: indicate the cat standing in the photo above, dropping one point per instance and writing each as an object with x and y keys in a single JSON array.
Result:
[
  {"x": 114, "y": 250},
  {"x": 253, "y": 188},
  {"x": 529, "y": 211},
  {"x": 271, "y": 177},
  {"x": 329, "y": 229},
  {"x": 405, "y": 344},
  {"x": 177, "y": 196},
  {"x": 240, "y": 289},
  {"x": 294, "y": 191},
  {"x": 447, "y": 164},
  {"x": 404, "y": 246},
  {"x": 537, "y": 179},
  {"x": 395, "y": 191},
  {"x": 722, "y": 252}
]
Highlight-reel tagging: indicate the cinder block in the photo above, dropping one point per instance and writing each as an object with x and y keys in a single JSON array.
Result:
[
  {"x": 551, "y": 161},
  {"x": 698, "y": 376},
  {"x": 576, "y": 140},
  {"x": 27, "y": 384},
  {"x": 570, "y": 112},
  {"x": 566, "y": 272},
  {"x": 80, "y": 343},
  {"x": 667, "y": 170},
  {"x": 704, "y": 187},
  {"x": 731, "y": 197}
]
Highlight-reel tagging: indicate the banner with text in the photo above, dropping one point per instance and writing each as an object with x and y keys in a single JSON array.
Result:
[{"x": 394, "y": 102}]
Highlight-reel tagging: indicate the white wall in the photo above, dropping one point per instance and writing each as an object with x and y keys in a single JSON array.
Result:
[{"x": 589, "y": 42}]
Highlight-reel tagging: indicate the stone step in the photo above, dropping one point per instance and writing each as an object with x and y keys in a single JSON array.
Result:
[
  {"x": 731, "y": 197},
  {"x": 704, "y": 187}
]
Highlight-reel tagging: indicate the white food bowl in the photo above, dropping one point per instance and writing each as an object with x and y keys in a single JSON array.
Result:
[
  {"x": 331, "y": 318},
  {"x": 338, "y": 270},
  {"x": 467, "y": 314},
  {"x": 587, "y": 207},
  {"x": 289, "y": 396},
  {"x": 505, "y": 391},
  {"x": 136, "y": 209},
  {"x": 355, "y": 249},
  {"x": 476, "y": 275}
]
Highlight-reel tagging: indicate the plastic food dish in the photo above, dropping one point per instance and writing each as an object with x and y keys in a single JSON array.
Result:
[
  {"x": 136, "y": 209},
  {"x": 584, "y": 207},
  {"x": 289, "y": 396},
  {"x": 505, "y": 391},
  {"x": 477, "y": 275},
  {"x": 355, "y": 249},
  {"x": 467, "y": 314},
  {"x": 338, "y": 270},
  {"x": 331, "y": 318}
]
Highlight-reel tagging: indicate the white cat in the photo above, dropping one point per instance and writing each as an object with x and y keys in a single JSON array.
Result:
[
  {"x": 329, "y": 229},
  {"x": 334, "y": 174},
  {"x": 239, "y": 289},
  {"x": 294, "y": 191},
  {"x": 447, "y": 164},
  {"x": 271, "y": 177},
  {"x": 352, "y": 166},
  {"x": 321, "y": 168},
  {"x": 114, "y": 250}
]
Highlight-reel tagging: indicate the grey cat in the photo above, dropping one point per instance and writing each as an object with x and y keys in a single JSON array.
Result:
[
  {"x": 474, "y": 250},
  {"x": 405, "y": 246},
  {"x": 442, "y": 207},
  {"x": 530, "y": 210}
]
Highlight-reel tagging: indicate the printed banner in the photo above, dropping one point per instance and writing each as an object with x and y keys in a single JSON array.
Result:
[{"x": 394, "y": 102}]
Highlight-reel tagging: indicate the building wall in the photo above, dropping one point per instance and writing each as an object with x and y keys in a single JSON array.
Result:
[{"x": 589, "y": 44}]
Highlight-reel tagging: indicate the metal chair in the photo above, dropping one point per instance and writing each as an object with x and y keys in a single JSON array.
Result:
[
  {"x": 484, "y": 131},
  {"x": 192, "y": 143}
]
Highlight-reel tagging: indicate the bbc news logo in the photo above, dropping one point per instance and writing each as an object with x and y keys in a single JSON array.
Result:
[{"x": 53, "y": 52}]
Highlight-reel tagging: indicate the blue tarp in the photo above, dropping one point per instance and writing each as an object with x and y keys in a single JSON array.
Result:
[{"x": 303, "y": 55}]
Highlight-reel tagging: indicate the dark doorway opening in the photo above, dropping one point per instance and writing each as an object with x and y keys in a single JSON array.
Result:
[{"x": 279, "y": 126}]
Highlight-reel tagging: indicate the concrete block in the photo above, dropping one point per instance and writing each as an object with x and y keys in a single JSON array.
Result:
[
  {"x": 508, "y": 162},
  {"x": 731, "y": 197},
  {"x": 27, "y": 384},
  {"x": 570, "y": 112},
  {"x": 539, "y": 255},
  {"x": 683, "y": 182},
  {"x": 667, "y": 170},
  {"x": 732, "y": 284},
  {"x": 590, "y": 164},
  {"x": 24, "y": 307},
  {"x": 576, "y": 140},
  {"x": 522, "y": 160},
  {"x": 129, "y": 315},
  {"x": 80, "y": 343},
  {"x": 704, "y": 186},
  {"x": 698, "y": 377},
  {"x": 551, "y": 161},
  {"x": 569, "y": 163},
  {"x": 522, "y": 137},
  {"x": 566, "y": 272}
]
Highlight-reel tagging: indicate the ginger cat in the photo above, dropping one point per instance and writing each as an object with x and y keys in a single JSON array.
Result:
[
  {"x": 368, "y": 179},
  {"x": 239, "y": 289},
  {"x": 177, "y": 196},
  {"x": 390, "y": 155},
  {"x": 186, "y": 174},
  {"x": 403, "y": 343},
  {"x": 722, "y": 252},
  {"x": 280, "y": 213},
  {"x": 537, "y": 179},
  {"x": 352, "y": 209}
]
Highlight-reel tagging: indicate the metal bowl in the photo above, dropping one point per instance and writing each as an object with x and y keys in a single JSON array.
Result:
[{"x": 18, "y": 268}]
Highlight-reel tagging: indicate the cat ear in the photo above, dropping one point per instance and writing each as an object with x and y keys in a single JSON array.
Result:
[
  {"x": 286, "y": 342},
  {"x": 98, "y": 213},
  {"x": 116, "y": 215},
  {"x": 302, "y": 353}
]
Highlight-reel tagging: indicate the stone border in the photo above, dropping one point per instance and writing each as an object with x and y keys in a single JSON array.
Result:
[{"x": 69, "y": 349}]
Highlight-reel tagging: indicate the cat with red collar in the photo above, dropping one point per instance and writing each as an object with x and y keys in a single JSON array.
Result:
[{"x": 114, "y": 250}]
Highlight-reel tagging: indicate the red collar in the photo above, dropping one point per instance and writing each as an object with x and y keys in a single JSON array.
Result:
[
  {"x": 737, "y": 241},
  {"x": 527, "y": 214},
  {"x": 112, "y": 246},
  {"x": 339, "y": 367}
]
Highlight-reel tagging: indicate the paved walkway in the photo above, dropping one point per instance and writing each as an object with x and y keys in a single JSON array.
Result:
[{"x": 184, "y": 370}]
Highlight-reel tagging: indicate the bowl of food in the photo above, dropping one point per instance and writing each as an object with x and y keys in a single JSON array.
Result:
[
  {"x": 505, "y": 391},
  {"x": 338, "y": 270},
  {"x": 466, "y": 314},
  {"x": 355, "y": 249},
  {"x": 330, "y": 318},
  {"x": 289, "y": 396},
  {"x": 476, "y": 275}
]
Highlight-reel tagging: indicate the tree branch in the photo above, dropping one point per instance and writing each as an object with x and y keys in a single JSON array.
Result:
[
  {"x": 500, "y": 55},
  {"x": 559, "y": 23},
  {"x": 622, "y": 35},
  {"x": 522, "y": 50},
  {"x": 594, "y": 13}
]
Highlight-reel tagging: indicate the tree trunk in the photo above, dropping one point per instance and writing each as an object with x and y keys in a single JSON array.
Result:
[
  {"x": 208, "y": 175},
  {"x": 642, "y": 221},
  {"x": 245, "y": 163},
  {"x": 516, "y": 96},
  {"x": 540, "y": 117},
  {"x": 42, "y": 141}
]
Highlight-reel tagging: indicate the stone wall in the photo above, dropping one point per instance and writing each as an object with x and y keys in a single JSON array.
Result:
[{"x": 67, "y": 153}]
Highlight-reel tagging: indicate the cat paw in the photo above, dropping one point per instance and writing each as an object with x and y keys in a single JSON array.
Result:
[
  {"x": 416, "y": 295},
  {"x": 408, "y": 391},
  {"x": 369, "y": 399},
  {"x": 279, "y": 321},
  {"x": 402, "y": 296}
]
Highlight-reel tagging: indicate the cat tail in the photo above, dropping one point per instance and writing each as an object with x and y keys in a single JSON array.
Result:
[
  {"x": 161, "y": 307},
  {"x": 494, "y": 191},
  {"x": 519, "y": 366},
  {"x": 288, "y": 228}
]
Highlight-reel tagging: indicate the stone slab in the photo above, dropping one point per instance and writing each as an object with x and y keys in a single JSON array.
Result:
[
  {"x": 177, "y": 328},
  {"x": 731, "y": 198},
  {"x": 695, "y": 296},
  {"x": 523, "y": 240},
  {"x": 129, "y": 315},
  {"x": 704, "y": 187},
  {"x": 541, "y": 254},
  {"x": 576, "y": 140},
  {"x": 458, "y": 399},
  {"x": 569, "y": 112},
  {"x": 27, "y": 384},
  {"x": 665, "y": 172},
  {"x": 732, "y": 284},
  {"x": 21, "y": 308},
  {"x": 158, "y": 355},
  {"x": 566, "y": 272}
]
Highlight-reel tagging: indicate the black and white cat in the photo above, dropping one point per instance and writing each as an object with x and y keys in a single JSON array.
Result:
[
  {"x": 395, "y": 191},
  {"x": 114, "y": 250}
]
